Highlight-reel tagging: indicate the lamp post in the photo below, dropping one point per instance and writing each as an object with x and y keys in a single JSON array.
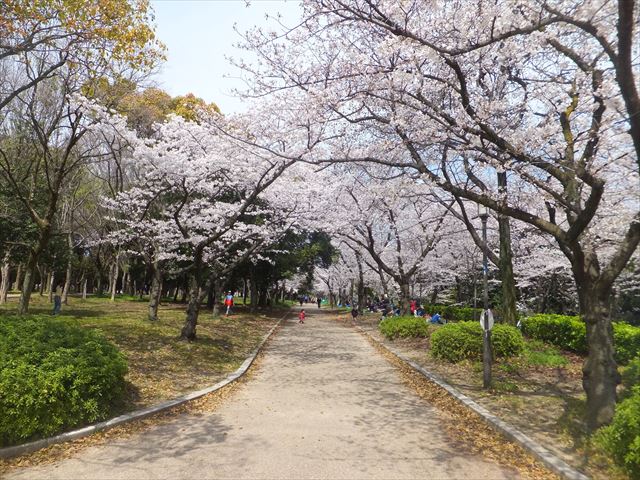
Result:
[{"x": 486, "y": 314}]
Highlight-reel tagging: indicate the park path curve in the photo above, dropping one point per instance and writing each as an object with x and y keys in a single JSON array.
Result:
[{"x": 324, "y": 404}]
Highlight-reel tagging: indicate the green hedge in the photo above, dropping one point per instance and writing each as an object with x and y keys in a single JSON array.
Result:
[
  {"x": 452, "y": 313},
  {"x": 405, "y": 327},
  {"x": 621, "y": 439},
  {"x": 570, "y": 333},
  {"x": 54, "y": 376},
  {"x": 463, "y": 340}
]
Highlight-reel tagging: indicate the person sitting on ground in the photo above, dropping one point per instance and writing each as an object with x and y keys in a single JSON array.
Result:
[
  {"x": 413, "y": 306},
  {"x": 437, "y": 319},
  {"x": 397, "y": 311},
  {"x": 427, "y": 318},
  {"x": 420, "y": 311}
]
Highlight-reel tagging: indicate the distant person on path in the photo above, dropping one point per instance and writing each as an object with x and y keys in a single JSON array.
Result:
[
  {"x": 301, "y": 301},
  {"x": 57, "y": 300},
  {"x": 301, "y": 316},
  {"x": 319, "y": 301},
  {"x": 228, "y": 302},
  {"x": 354, "y": 313}
]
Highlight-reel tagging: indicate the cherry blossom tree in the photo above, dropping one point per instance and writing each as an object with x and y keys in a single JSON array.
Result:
[{"x": 545, "y": 94}]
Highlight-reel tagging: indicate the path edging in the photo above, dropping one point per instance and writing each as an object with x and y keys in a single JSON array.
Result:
[
  {"x": 17, "y": 450},
  {"x": 555, "y": 464}
]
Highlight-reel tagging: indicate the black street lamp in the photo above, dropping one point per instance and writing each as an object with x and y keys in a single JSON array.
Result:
[{"x": 486, "y": 319}]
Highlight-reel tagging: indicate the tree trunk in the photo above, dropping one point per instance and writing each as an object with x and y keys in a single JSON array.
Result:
[
  {"x": 434, "y": 296},
  {"x": 155, "y": 291},
  {"x": 52, "y": 286},
  {"x": 6, "y": 272},
  {"x": 195, "y": 298},
  {"x": 193, "y": 309},
  {"x": 244, "y": 291},
  {"x": 115, "y": 272},
  {"x": 600, "y": 375},
  {"x": 84, "y": 287},
  {"x": 42, "y": 273},
  {"x": 509, "y": 295},
  {"x": 254, "y": 293},
  {"x": 405, "y": 292},
  {"x": 216, "y": 288},
  {"x": 29, "y": 277},
  {"x": 18, "y": 283},
  {"x": 67, "y": 278}
]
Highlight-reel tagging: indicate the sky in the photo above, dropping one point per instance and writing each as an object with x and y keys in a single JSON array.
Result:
[{"x": 199, "y": 34}]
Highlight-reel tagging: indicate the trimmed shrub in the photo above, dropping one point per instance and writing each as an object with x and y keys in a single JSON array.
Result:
[
  {"x": 631, "y": 376},
  {"x": 570, "y": 333},
  {"x": 564, "y": 331},
  {"x": 453, "y": 313},
  {"x": 405, "y": 327},
  {"x": 621, "y": 439},
  {"x": 626, "y": 340},
  {"x": 54, "y": 376},
  {"x": 463, "y": 340}
]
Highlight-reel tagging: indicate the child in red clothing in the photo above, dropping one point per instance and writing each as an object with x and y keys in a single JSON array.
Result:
[{"x": 301, "y": 316}]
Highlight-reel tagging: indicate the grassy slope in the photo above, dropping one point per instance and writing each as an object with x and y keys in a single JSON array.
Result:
[{"x": 160, "y": 365}]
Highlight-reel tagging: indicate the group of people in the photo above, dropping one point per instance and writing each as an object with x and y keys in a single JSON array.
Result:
[{"x": 418, "y": 310}]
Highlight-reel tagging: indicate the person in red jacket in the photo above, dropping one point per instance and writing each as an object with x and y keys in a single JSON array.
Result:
[
  {"x": 301, "y": 316},
  {"x": 228, "y": 302}
]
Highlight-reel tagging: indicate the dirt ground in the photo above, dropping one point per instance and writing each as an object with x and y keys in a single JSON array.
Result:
[{"x": 544, "y": 402}]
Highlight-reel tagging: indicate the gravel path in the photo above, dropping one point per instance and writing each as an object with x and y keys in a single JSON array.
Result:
[{"x": 324, "y": 404}]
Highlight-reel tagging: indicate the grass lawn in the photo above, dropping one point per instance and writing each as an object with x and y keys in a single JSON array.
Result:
[{"x": 161, "y": 366}]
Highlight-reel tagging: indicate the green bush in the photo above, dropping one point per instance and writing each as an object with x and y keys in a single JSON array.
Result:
[
  {"x": 626, "y": 340},
  {"x": 463, "y": 340},
  {"x": 631, "y": 376},
  {"x": 54, "y": 376},
  {"x": 621, "y": 439},
  {"x": 570, "y": 333},
  {"x": 564, "y": 331},
  {"x": 453, "y": 313},
  {"x": 405, "y": 327}
]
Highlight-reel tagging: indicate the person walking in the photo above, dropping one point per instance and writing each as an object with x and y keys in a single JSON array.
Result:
[
  {"x": 228, "y": 302},
  {"x": 301, "y": 316},
  {"x": 57, "y": 300},
  {"x": 319, "y": 301},
  {"x": 354, "y": 313}
]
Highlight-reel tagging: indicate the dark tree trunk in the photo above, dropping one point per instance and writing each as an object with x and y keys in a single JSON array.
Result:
[
  {"x": 434, "y": 296},
  {"x": 155, "y": 291},
  {"x": 509, "y": 295},
  {"x": 405, "y": 293},
  {"x": 216, "y": 288},
  {"x": 18, "y": 283},
  {"x": 193, "y": 309},
  {"x": 196, "y": 295},
  {"x": 254, "y": 292},
  {"x": 29, "y": 275},
  {"x": 6, "y": 272},
  {"x": 600, "y": 375},
  {"x": 244, "y": 291},
  {"x": 67, "y": 278}
]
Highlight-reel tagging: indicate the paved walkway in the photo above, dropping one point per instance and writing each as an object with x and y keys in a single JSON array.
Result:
[{"x": 324, "y": 404}]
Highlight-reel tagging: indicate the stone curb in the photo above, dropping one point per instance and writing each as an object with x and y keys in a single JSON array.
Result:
[
  {"x": 552, "y": 462},
  {"x": 17, "y": 450}
]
